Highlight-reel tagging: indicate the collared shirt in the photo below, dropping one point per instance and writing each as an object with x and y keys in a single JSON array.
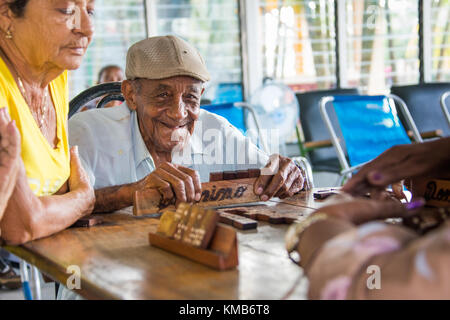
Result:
[{"x": 113, "y": 152}]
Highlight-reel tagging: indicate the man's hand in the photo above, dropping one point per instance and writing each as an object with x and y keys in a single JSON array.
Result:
[
  {"x": 174, "y": 181},
  {"x": 429, "y": 159},
  {"x": 9, "y": 157},
  {"x": 279, "y": 178}
]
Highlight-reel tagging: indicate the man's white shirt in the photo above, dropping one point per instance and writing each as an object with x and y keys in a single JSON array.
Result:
[{"x": 113, "y": 152}]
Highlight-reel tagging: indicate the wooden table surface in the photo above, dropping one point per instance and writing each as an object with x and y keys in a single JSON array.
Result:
[{"x": 117, "y": 262}]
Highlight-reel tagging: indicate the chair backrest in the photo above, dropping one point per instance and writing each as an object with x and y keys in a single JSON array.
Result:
[
  {"x": 230, "y": 112},
  {"x": 369, "y": 125},
  {"x": 315, "y": 129},
  {"x": 423, "y": 101},
  {"x": 109, "y": 91},
  {"x": 237, "y": 113},
  {"x": 227, "y": 92},
  {"x": 446, "y": 105}
]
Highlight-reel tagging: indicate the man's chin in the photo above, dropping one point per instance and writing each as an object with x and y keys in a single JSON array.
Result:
[
  {"x": 172, "y": 147},
  {"x": 179, "y": 135}
]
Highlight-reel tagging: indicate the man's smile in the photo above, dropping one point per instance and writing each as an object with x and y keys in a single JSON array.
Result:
[{"x": 173, "y": 126}]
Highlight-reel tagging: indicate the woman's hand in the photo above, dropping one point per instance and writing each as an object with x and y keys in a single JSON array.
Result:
[
  {"x": 174, "y": 181},
  {"x": 9, "y": 157},
  {"x": 361, "y": 210},
  {"x": 79, "y": 181},
  {"x": 429, "y": 159}
]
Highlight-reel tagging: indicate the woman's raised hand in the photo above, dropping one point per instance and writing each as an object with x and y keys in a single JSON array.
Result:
[{"x": 9, "y": 157}]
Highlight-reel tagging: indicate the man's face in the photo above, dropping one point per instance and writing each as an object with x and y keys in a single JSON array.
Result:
[{"x": 167, "y": 110}]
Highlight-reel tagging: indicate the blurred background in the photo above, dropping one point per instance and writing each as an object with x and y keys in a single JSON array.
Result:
[
  {"x": 307, "y": 49},
  {"x": 306, "y": 44}
]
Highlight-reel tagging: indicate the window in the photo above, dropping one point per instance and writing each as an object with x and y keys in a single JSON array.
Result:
[
  {"x": 118, "y": 24},
  {"x": 382, "y": 44},
  {"x": 212, "y": 26},
  {"x": 440, "y": 30},
  {"x": 298, "y": 40}
]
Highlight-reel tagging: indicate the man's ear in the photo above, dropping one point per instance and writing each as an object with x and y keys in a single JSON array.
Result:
[
  {"x": 203, "y": 90},
  {"x": 5, "y": 16},
  {"x": 129, "y": 93}
]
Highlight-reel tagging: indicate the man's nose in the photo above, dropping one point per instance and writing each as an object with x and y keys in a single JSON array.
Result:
[{"x": 178, "y": 110}]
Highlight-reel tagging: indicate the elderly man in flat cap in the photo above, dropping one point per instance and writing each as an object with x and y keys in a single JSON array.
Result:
[{"x": 160, "y": 138}]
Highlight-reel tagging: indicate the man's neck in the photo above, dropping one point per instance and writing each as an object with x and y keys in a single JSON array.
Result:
[{"x": 160, "y": 157}]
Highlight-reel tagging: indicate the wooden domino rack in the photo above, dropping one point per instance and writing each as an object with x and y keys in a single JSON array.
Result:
[{"x": 192, "y": 232}]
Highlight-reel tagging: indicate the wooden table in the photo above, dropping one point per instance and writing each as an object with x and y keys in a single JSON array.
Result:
[{"x": 117, "y": 262}]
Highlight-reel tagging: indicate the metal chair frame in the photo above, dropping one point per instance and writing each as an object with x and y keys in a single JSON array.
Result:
[
  {"x": 111, "y": 91},
  {"x": 444, "y": 106}
]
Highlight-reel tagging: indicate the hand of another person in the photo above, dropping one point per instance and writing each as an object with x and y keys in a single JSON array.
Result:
[
  {"x": 429, "y": 159},
  {"x": 361, "y": 210},
  {"x": 79, "y": 180},
  {"x": 9, "y": 157},
  {"x": 174, "y": 181},
  {"x": 279, "y": 178}
]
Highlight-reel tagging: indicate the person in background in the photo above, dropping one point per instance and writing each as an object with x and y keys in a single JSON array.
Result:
[
  {"x": 348, "y": 253},
  {"x": 9, "y": 167},
  {"x": 109, "y": 73},
  {"x": 39, "y": 42}
]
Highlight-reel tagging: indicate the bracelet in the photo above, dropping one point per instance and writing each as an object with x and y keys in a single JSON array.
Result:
[{"x": 292, "y": 238}]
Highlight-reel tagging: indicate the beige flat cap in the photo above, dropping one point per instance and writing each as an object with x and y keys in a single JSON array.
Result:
[{"x": 165, "y": 57}]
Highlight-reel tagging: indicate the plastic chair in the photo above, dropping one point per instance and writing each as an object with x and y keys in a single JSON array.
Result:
[
  {"x": 111, "y": 91},
  {"x": 444, "y": 106},
  {"x": 369, "y": 125},
  {"x": 313, "y": 137},
  {"x": 234, "y": 112},
  {"x": 423, "y": 101}
]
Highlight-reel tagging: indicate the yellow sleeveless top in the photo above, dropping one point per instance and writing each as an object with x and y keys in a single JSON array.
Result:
[{"x": 47, "y": 169}]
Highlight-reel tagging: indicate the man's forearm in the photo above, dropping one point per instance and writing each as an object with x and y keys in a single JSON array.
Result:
[{"x": 114, "y": 198}]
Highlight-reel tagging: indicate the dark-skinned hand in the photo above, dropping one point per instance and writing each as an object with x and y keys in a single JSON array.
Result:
[{"x": 280, "y": 178}]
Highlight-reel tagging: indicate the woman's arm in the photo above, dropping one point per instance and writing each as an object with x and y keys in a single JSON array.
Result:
[
  {"x": 419, "y": 270},
  {"x": 343, "y": 214},
  {"x": 9, "y": 159},
  {"x": 344, "y": 256},
  {"x": 28, "y": 217}
]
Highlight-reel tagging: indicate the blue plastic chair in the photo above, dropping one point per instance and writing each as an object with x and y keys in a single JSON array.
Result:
[
  {"x": 368, "y": 125},
  {"x": 226, "y": 92},
  {"x": 235, "y": 113},
  {"x": 230, "y": 112}
]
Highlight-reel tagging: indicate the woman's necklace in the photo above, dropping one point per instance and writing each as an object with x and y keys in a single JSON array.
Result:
[{"x": 43, "y": 106}]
